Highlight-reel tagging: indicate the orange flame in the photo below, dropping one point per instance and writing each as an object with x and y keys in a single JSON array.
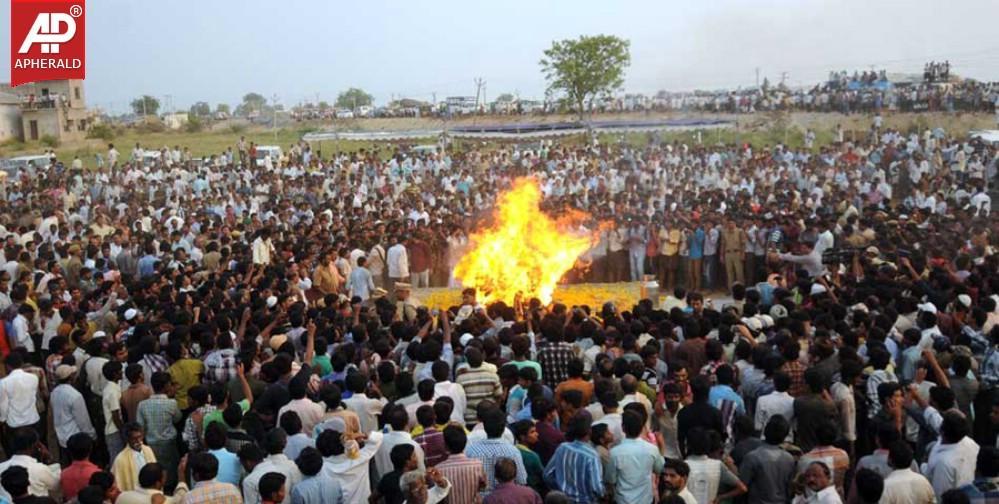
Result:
[{"x": 524, "y": 251}]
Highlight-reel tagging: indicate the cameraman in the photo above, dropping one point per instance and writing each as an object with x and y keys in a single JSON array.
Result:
[{"x": 810, "y": 261}]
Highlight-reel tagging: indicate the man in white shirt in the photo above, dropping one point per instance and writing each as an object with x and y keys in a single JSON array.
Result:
[
  {"x": 277, "y": 462},
  {"x": 43, "y": 479},
  {"x": 903, "y": 485},
  {"x": 351, "y": 471},
  {"x": 778, "y": 402},
  {"x": 397, "y": 419},
  {"x": 952, "y": 461},
  {"x": 18, "y": 394},
  {"x": 398, "y": 263},
  {"x": 22, "y": 327},
  {"x": 262, "y": 251},
  {"x": 818, "y": 479},
  {"x": 675, "y": 476},
  {"x": 367, "y": 408},
  {"x": 69, "y": 411},
  {"x": 444, "y": 387}
]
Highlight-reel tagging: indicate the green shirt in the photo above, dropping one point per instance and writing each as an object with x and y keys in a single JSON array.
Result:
[
  {"x": 324, "y": 364},
  {"x": 527, "y": 363},
  {"x": 216, "y": 416},
  {"x": 535, "y": 471}
]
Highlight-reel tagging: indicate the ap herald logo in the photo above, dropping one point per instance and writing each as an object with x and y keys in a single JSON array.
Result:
[{"x": 47, "y": 40}]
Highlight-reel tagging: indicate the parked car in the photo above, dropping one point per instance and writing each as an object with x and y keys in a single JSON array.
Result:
[
  {"x": 273, "y": 151},
  {"x": 344, "y": 114},
  {"x": 31, "y": 163}
]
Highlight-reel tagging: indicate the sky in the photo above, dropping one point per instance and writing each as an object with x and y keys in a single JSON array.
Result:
[{"x": 184, "y": 51}]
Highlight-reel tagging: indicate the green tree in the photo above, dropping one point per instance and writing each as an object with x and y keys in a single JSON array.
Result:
[
  {"x": 252, "y": 102},
  {"x": 222, "y": 108},
  {"x": 353, "y": 98},
  {"x": 583, "y": 69},
  {"x": 145, "y": 105},
  {"x": 324, "y": 106},
  {"x": 201, "y": 109},
  {"x": 505, "y": 97}
]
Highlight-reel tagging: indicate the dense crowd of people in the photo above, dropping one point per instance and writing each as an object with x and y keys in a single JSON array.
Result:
[
  {"x": 227, "y": 330},
  {"x": 858, "y": 94}
]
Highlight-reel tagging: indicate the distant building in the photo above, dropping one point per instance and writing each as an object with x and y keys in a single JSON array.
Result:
[
  {"x": 175, "y": 120},
  {"x": 10, "y": 117},
  {"x": 55, "y": 108}
]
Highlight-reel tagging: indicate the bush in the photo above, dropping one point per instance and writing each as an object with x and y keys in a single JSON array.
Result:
[
  {"x": 49, "y": 141},
  {"x": 102, "y": 131},
  {"x": 150, "y": 126},
  {"x": 194, "y": 124},
  {"x": 237, "y": 128}
]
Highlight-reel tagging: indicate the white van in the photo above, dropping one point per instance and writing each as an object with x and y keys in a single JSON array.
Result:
[
  {"x": 268, "y": 150},
  {"x": 31, "y": 163}
]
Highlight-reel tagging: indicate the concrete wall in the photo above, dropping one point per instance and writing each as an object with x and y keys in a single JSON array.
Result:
[
  {"x": 65, "y": 88},
  {"x": 48, "y": 122},
  {"x": 10, "y": 121}
]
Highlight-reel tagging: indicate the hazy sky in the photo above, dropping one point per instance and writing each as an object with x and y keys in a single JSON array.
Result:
[{"x": 217, "y": 50}]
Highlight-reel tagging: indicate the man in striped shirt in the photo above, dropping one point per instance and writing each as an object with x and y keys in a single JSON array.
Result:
[
  {"x": 204, "y": 468},
  {"x": 495, "y": 447},
  {"x": 479, "y": 383},
  {"x": 466, "y": 474},
  {"x": 575, "y": 469}
]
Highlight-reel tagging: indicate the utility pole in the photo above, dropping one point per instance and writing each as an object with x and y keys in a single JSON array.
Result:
[
  {"x": 274, "y": 102},
  {"x": 480, "y": 90},
  {"x": 169, "y": 103},
  {"x": 783, "y": 77}
]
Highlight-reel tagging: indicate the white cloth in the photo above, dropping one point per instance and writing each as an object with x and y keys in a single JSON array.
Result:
[
  {"x": 456, "y": 392},
  {"x": 905, "y": 486},
  {"x": 22, "y": 333},
  {"x": 951, "y": 465},
  {"x": 398, "y": 261},
  {"x": 613, "y": 422},
  {"x": 383, "y": 459},
  {"x": 478, "y": 433},
  {"x": 42, "y": 479},
  {"x": 69, "y": 414},
  {"x": 704, "y": 479},
  {"x": 278, "y": 463},
  {"x": 772, "y": 404},
  {"x": 353, "y": 474},
  {"x": 367, "y": 410},
  {"x": 18, "y": 399},
  {"x": 827, "y": 495}
]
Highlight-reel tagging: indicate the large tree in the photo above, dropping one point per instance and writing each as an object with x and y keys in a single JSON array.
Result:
[
  {"x": 583, "y": 69},
  {"x": 222, "y": 108},
  {"x": 145, "y": 105},
  {"x": 201, "y": 109},
  {"x": 252, "y": 102},
  {"x": 353, "y": 98}
]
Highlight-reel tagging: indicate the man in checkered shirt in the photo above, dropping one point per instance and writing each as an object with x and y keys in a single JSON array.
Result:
[{"x": 553, "y": 353}]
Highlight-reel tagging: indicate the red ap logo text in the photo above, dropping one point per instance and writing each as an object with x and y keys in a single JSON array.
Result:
[{"x": 47, "y": 40}]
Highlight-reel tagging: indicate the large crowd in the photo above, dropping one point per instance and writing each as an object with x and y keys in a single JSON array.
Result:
[
  {"x": 864, "y": 93},
  {"x": 229, "y": 330}
]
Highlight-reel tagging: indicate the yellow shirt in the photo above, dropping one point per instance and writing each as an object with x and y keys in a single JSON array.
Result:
[{"x": 186, "y": 373}]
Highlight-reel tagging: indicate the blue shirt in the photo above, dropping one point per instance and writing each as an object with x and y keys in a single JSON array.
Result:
[
  {"x": 721, "y": 393},
  {"x": 318, "y": 489},
  {"x": 696, "y": 244},
  {"x": 631, "y": 463},
  {"x": 576, "y": 471},
  {"x": 296, "y": 444},
  {"x": 491, "y": 450},
  {"x": 147, "y": 265},
  {"x": 229, "y": 468}
]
